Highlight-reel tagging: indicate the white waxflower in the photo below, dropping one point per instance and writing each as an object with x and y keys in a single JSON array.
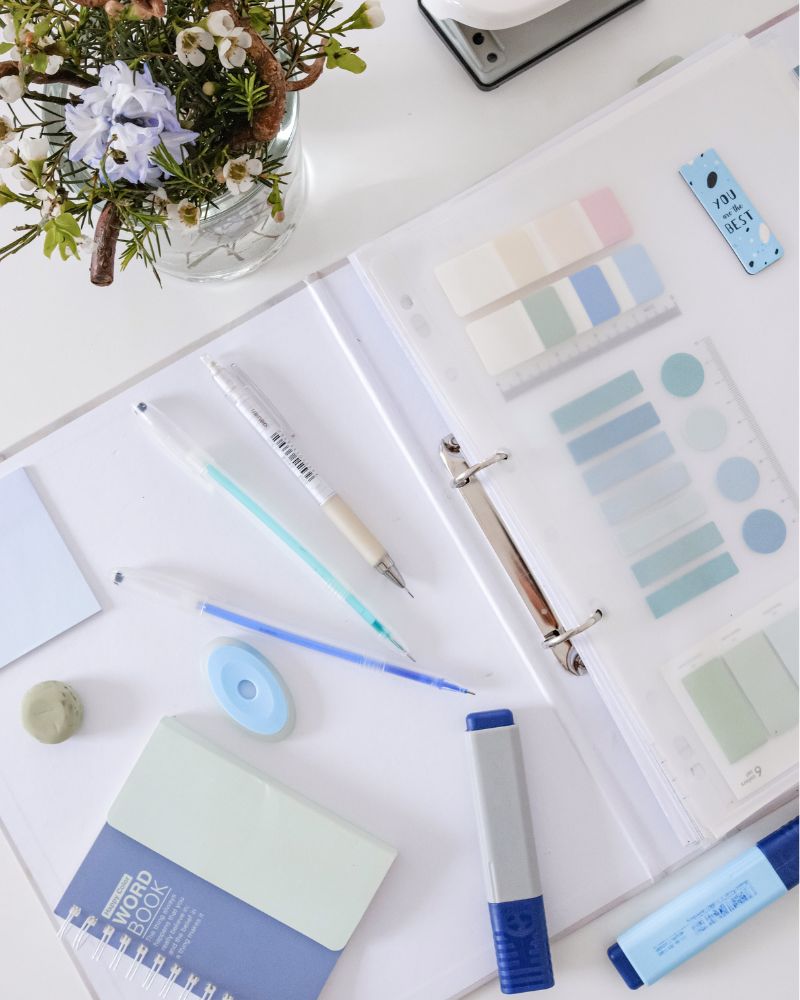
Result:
[
  {"x": 7, "y": 157},
  {"x": 220, "y": 24},
  {"x": 233, "y": 48},
  {"x": 161, "y": 201},
  {"x": 185, "y": 216},
  {"x": 368, "y": 15},
  {"x": 18, "y": 182},
  {"x": 50, "y": 204},
  {"x": 53, "y": 64},
  {"x": 9, "y": 36},
  {"x": 33, "y": 148},
  {"x": 189, "y": 45},
  {"x": 11, "y": 88},
  {"x": 7, "y": 130},
  {"x": 239, "y": 173}
]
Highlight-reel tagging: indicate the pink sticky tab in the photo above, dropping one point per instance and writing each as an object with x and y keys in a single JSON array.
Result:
[{"x": 606, "y": 215}]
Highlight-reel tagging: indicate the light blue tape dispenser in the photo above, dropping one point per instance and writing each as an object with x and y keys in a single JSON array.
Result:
[{"x": 250, "y": 689}]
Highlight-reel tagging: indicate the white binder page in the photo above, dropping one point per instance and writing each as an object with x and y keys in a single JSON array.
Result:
[{"x": 387, "y": 755}]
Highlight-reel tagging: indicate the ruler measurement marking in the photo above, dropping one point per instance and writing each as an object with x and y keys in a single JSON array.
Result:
[
  {"x": 621, "y": 330},
  {"x": 747, "y": 413}
]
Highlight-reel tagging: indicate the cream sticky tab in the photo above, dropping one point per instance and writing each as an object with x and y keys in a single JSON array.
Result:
[{"x": 551, "y": 242}]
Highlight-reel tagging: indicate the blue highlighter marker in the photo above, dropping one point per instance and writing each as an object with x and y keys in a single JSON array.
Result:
[
  {"x": 706, "y": 912},
  {"x": 516, "y": 905}
]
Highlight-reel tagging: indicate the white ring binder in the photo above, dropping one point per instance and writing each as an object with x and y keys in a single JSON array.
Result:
[{"x": 136, "y": 960}]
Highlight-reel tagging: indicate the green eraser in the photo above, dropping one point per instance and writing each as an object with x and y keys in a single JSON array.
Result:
[{"x": 51, "y": 712}]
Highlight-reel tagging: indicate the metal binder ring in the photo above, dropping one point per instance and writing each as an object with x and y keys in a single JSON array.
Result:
[
  {"x": 461, "y": 480},
  {"x": 559, "y": 637}
]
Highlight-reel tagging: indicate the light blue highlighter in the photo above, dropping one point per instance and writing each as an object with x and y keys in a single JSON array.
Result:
[{"x": 250, "y": 689}]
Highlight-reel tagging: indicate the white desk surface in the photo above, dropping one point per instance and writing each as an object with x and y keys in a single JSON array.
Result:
[{"x": 381, "y": 149}]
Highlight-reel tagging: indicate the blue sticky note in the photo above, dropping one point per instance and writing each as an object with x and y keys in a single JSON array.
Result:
[
  {"x": 732, "y": 212},
  {"x": 595, "y": 294},
  {"x": 42, "y": 591}
]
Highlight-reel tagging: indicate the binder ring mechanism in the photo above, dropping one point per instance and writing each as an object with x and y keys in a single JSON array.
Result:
[
  {"x": 558, "y": 637},
  {"x": 464, "y": 477}
]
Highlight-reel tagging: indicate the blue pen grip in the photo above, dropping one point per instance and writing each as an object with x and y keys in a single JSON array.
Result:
[{"x": 521, "y": 945}]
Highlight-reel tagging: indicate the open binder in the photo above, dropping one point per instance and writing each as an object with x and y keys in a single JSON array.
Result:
[
  {"x": 526, "y": 551},
  {"x": 623, "y": 464}
]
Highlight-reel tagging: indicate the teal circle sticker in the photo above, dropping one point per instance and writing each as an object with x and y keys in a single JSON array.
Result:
[{"x": 682, "y": 374}]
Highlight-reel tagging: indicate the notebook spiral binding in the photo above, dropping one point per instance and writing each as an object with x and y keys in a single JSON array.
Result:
[
  {"x": 136, "y": 960},
  {"x": 463, "y": 477}
]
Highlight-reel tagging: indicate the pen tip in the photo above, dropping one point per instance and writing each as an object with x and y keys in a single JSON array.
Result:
[
  {"x": 469, "y": 692},
  {"x": 209, "y": 362},
  {"x": 410, "y": 594},
  {"x": 118, "y": 577},
  {"x": 141, "y": 407}
]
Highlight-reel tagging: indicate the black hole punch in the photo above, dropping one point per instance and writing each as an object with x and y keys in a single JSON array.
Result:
[
  {"x": 478, "y": 38},
  {"x": 711, "y": 180},
  {"x": 492, "y": 57}
]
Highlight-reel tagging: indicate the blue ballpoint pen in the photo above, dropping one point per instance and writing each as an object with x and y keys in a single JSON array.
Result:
[
  {"x": 162, "y": 589},
  {"x": 178, "y": 443}
]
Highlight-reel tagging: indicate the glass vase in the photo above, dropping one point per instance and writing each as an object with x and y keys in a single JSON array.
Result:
[{"x": 237, "y": 234}]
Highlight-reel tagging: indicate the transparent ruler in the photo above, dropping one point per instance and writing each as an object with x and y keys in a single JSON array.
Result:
[{"x": 586, "y": 345}]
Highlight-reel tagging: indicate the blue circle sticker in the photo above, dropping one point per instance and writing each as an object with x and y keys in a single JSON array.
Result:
[
  {"x": 764, "y": 531},
  {"x": 737, "y": 478},
  {"x": 682, "y": 374}
]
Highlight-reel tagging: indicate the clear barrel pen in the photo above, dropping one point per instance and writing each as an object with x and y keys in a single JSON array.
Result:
[
  {"x": 192, "y": 457},
  {"x": 251, "y": 402},
  {"x": 165, "y": 590}
]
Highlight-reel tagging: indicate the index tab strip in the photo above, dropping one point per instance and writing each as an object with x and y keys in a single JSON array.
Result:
[{"x": 521, "y": 256}]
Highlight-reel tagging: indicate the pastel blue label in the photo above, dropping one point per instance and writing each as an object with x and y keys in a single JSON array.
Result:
[
  {"x": 640, "y": 276},
  {"x": 645, "y": 492},
  {"x": 614, "y": 432},
  {"x": 764, "y": 531},
  {"x": 592, "y": 404},
  {"x": 691, "y": 585},
  {"x": 595, "y": 294},
  {"x": 627, "y": 463},
  {"x": 737, "y": 478},
  {"x": 733, "y": 213},
  {"x": 701, "y": 915},
  {"x": 682, "y": 375}
]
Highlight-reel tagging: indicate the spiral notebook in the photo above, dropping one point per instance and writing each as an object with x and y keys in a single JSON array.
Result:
[{"x": 219, "y": 881}]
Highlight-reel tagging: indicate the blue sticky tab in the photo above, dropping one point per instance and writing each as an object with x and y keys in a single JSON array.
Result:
[
  {"x": 521, "y": 945},
  {"x": 733, "y": 213}
]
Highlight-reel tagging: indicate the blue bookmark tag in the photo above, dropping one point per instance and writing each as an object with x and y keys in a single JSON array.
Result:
[{"x": 732, "y": 211}]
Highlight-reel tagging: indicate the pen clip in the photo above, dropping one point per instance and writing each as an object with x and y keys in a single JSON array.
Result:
[{"x": 270, "y": 410}]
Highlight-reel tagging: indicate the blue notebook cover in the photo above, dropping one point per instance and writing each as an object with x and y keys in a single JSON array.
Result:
[{"x": 191, "y": 922}]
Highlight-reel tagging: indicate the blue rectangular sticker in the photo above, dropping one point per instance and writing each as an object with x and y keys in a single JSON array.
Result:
[{"x": 732, "y": 212}]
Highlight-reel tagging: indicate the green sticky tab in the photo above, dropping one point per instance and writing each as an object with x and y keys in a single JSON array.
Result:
[
  {"x": 549, "y": 316},
  {"x": 725, "y": 709},
  {"x": 766, "y": 682}
]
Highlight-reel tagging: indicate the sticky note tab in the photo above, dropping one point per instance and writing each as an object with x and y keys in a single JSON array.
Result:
[{"x": 732, "y": 212}]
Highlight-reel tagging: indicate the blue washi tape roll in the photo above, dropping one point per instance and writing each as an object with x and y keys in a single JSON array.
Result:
[{"x": 250, "y": 689}]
